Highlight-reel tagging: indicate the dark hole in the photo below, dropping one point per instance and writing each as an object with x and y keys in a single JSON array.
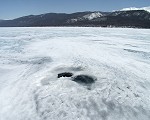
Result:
[
  {"x": 65, "y": 74},
  {"x": 85, "y": 79}
]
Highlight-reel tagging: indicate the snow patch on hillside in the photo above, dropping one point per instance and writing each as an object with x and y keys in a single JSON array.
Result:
[{"x": 92, "y": 15}]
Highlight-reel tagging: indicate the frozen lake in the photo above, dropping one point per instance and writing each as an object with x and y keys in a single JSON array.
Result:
[{"x": 118, "y": 60}]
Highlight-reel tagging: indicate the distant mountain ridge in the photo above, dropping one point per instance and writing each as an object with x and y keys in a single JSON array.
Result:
[{"x": 126, "y": 18}]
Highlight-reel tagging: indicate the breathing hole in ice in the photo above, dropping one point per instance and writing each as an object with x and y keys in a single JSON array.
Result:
[{"x": 84, "y": 79}]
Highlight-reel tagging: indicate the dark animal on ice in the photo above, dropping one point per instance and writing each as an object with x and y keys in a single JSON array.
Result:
[{"x": 65, "y": 74}]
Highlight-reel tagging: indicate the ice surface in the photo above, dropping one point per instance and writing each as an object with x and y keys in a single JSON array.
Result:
[{"x": 32, "y": 58}]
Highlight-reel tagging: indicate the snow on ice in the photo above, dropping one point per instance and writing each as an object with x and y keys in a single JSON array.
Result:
[{"x": 32, "y": 58}]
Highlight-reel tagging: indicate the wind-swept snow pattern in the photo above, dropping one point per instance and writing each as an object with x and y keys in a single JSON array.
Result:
[{"x": 74, "y": 74}]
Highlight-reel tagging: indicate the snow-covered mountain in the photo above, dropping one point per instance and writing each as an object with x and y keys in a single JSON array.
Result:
[{"x": 134, "y": 8}]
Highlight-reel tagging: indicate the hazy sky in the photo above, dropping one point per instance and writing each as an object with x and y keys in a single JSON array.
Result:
[{"x": 15, "y": 8}]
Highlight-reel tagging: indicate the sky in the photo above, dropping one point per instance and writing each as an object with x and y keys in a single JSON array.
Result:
[{"x": 10, "y": 9}]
